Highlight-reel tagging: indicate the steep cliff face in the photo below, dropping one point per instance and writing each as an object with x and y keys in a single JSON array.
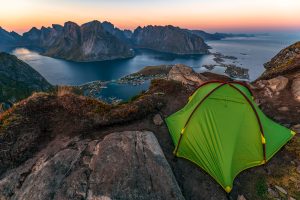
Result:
[
  {"x": 18, "y": 80},
  {"x": 286, "y": 61},
  {"x": 66, "y": 44},
  {"x": 97, "y": 42},
  {"x": 89, "y": 42},
  {"x": 169, "y": 39}
]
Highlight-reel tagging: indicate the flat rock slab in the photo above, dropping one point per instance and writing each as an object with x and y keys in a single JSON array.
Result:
[{"x": 124, "y": 165}]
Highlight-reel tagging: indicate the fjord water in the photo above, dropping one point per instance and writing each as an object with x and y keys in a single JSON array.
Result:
[
  {"x": 252, "y": 53},
  {"x": 61, "y": 72}
]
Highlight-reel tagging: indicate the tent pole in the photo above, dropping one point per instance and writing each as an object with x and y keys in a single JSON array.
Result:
[
  {"x": 188, "y": 120},
  {"x": 257, "y": 117}
]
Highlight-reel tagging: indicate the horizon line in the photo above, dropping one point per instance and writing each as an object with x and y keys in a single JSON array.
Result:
[{"x": 228, "y": 29}]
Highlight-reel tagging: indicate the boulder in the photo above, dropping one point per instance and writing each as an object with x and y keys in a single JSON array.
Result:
[
  {"x": 186, "y": 75},
  {"x": 157, "y": 120},
  {"x": 296, "y": 88},
  {"x": 131, "y": 165},
  {"x": 241, "y": 197},
  {"x": 124, "y": 165},
  {"x": 278, "y": 84}
]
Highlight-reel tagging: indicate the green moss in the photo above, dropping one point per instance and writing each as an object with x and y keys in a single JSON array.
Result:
[{"x": 261, "y": 187}]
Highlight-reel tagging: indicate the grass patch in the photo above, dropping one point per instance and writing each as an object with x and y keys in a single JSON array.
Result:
[{"x": 64, "y": 89}]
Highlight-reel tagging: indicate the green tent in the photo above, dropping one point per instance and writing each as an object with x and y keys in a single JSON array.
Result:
[{"x": 223, "y": 131}]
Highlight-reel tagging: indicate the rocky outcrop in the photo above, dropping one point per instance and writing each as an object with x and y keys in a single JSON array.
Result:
[
  {"x": 68, "y": 115},
  {"x": 278, "y": 87},
  {"x": 296, "y": 88},
  {"x": 278, "y": 84},
  {"x": 18, "y": 80},
  {"x": 273, "y": 86},
  {"x": 286, "y": 61},
  {"x": 124, "y": 165},
  {"x": 89, "y": 42},
  {"x": 169, "y": 39},
  {"x": 186, "y": 75}
]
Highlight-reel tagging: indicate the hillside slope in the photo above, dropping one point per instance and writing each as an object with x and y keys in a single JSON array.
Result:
[{"x": 18, "y": 80}]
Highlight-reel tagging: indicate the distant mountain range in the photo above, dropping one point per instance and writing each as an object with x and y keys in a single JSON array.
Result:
[
  {"x": 169, "y": 39},
  {"x": 9, "y": 38},
  {"x": 97, "y": 41},
  {"x": 218, "y": 36}
]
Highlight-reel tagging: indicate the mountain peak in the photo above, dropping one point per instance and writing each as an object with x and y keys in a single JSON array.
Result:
[
  {"x": 95, "y": 21},
  {"x": 57, "y": 27},
  {"x": 108, "y": 23},
  {"x": 43, "y": 28},
  {"x": 70, "y": 24},
  {"x": 92, "y": 23},
  {"x": 34, "y": 29}
]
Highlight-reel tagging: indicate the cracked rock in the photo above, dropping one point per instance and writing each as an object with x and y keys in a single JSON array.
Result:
[{"x": 124, "y": 165}]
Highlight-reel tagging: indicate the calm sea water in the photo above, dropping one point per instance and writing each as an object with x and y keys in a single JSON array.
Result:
[
  {"x": 61, "y": 72},
  {"x": 252, "y": 53}
]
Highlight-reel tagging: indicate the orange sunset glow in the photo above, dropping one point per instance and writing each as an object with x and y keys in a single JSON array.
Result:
[{"x": 213, "y": 15}]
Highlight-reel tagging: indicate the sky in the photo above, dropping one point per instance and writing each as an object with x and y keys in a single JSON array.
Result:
[{"x": 209, "y": 15}]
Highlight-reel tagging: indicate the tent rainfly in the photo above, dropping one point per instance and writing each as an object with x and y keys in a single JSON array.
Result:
[{"x": 224, "y": 132}]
